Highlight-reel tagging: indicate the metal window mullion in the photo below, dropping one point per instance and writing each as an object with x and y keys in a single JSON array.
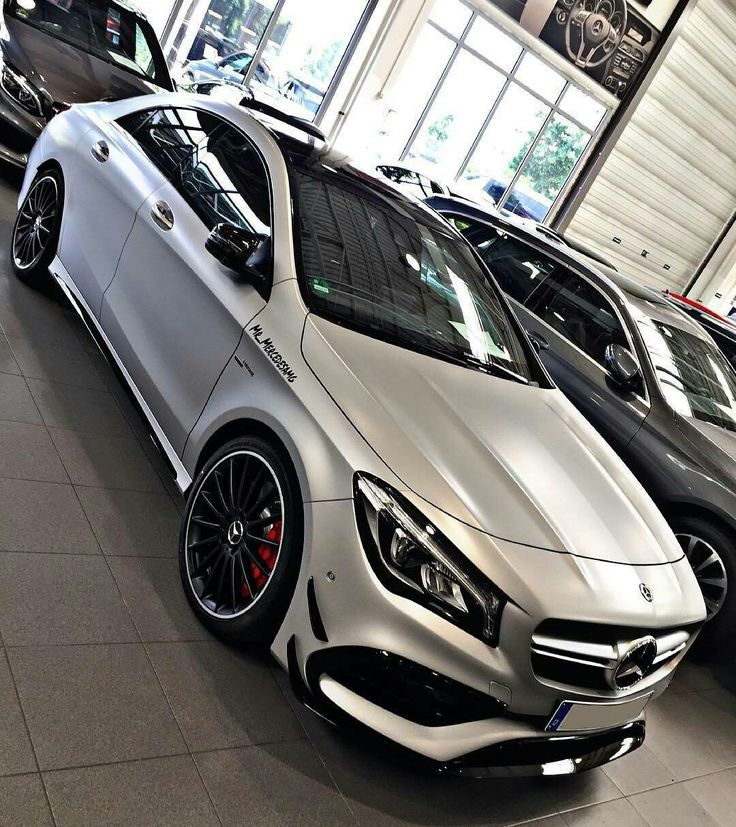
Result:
[
  {"x": 487, "y": 122},
  {"x": 263, "y": 42},
  {"x": 438, "y": 87},
  {"x": 356, "y": 37},
  {"x": 535, "y": 143}
]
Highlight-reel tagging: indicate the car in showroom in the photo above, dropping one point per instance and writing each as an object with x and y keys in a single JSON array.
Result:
[
  {"x": 647, "y": 376},
  {"x": 55, "y": 54},
  {"x": 232, "y": 69},
  {"x": 382, "y": 482}
]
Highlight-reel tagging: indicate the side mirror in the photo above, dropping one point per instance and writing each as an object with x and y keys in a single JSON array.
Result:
[
  {"x": 623, "y": 367},
  {"x": 244, "y": 252}
]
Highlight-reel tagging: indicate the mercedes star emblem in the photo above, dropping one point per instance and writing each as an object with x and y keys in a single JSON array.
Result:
[{"x": 646, "y": 592}]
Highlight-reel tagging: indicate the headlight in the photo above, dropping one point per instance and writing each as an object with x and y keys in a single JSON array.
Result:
[
  {"x": 411, "y": 558},
  {"x": 19, "y": 89}
]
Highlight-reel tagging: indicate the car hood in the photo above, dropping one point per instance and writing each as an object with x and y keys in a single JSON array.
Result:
[
  {"x": 517, "y": 462},
  {"x": 67, "y": 74}
]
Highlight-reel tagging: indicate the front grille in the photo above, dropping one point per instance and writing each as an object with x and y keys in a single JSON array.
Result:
[{"x": 588, "y": 655}]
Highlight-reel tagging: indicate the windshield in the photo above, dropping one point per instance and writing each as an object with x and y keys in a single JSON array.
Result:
[
  {"x": 694, "y": 377},
  {"x": 106, "y": 30},
  {"x": 376, "y": 263}
]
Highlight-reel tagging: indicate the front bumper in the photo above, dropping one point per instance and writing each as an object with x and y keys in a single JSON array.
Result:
[{"x": 341, "y": 607}]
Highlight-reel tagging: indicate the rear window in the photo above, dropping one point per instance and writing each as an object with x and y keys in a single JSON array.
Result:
[{"x": 110, "y": 32}]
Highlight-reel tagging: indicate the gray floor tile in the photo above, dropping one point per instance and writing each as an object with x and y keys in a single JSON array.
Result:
[
  {"x": 93, "y": 705},
  {"x": 132, "y": 524},
  {"x": 672, "y": 807},
  {"x": 16, "y": 754},
  {"x": 618, "y": 813},
  {"x": 7, "y": 360},
  {"x": 39, "y": 323},
  {"x": 159, "y": 791},
  {"x": 27, "y": 452},
  {"x": 222, "y": 697},
  {"x": 43, "y": 517},
  {"x": 105, "y": 461},
  {"x": 547, "y": 821},
  {"x": 23, "y": 802},
  {"x": 57, "y": 364},
  {"x": 681, "y": 737},
  {"x": 153, "y": 593},
  {"x": 280, "y": 784},
  {"x": 385, "y": 790},
  {"x": 717, "y": 795},
  {"x": 639, "y": 771},
  {"x": 78, "y": 409},
  {"x": 59, "y": 599},
  {"x": 16, "y": 402}
]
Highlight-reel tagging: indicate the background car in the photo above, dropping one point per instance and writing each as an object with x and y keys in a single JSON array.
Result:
[
  {"x": 649, "y": 378},
  {"x": 232, "y": 68},
  {"x": 316, "y": 355},
  {"x": 56, "y": 55}
]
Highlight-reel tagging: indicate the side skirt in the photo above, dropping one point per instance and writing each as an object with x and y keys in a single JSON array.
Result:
[{"x": 65, "y": 282}]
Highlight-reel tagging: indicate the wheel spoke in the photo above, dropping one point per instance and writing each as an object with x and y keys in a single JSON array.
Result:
[
  {"x": 241, "y": 484},
  {"x": 221, "y": 583},
  {"x": 233, "y": 588},
  {"x": 710, "y": 559},
  {"x": 211, "y": 576},
  {"x": 208, "y": 561},
  {"x": 262, "y": 540},
  {"x": 247, "y": 577},
  {"x": 265, "y": 521},
  {"x": 253, "y": 488},
  {"x": 201, "y": 521},
  {"x": 256, "y": 558},
  {"x": 205, "y": 541},
  {"x": 212, "y": 507},
  {"x": 264, "y": 500}
]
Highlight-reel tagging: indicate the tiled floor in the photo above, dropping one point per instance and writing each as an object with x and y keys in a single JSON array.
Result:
[{"x": 116, "y": 707}]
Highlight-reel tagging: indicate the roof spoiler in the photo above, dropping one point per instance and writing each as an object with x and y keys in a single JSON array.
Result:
[{"x": 292, "y": 120}]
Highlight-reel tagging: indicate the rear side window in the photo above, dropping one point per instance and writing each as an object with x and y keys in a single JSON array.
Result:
[
  {"x": 215, "y": 168},
  {"x": 410, "y": 182},
  {"x": 580, "y": 313},
  {"x": 519, "y": 269}
]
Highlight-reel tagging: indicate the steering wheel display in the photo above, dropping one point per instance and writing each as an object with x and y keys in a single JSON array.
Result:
[{"x": 594, "y": 30}]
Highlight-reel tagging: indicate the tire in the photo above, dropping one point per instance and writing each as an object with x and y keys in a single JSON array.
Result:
[
  {"x": 701, "y": 539},
  {"x": 35, "y": 238},
  {"x": 238, "y": 561}
]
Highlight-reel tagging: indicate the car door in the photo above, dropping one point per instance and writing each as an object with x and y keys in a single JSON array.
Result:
[
  {"x": 571, "y": 320},
  {"x": 174, "y": 314},
  {"x": 106, "y": 186}
]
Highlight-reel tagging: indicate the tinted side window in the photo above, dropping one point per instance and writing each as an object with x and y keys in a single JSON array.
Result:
[
  {"x": 212, "y": 164},
  {"x": 520, "y": 270},
  {"x": 580, "y": 313}
]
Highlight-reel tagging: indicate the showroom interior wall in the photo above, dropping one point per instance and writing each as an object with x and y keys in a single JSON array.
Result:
[{"x": 668, "y": 187}]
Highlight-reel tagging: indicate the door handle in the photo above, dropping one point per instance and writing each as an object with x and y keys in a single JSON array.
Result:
[
  {"x": 539, "y": 342},
  {"x": 101, "y": 152},
  {"x": 162, "y": 215}
]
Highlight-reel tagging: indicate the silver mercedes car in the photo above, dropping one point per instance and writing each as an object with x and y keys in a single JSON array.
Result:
[{"x": 382, "y": 482}]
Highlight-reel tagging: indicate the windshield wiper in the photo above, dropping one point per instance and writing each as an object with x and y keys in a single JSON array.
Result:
[{"x": 495, "y": 367}]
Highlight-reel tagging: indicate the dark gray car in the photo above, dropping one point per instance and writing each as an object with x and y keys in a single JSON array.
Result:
[{"x": 55, "y": 54}]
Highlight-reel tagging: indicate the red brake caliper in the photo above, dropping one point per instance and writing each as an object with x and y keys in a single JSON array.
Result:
[{"x": 269, "y": 555}]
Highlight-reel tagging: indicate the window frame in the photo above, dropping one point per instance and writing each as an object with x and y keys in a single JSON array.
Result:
[
  {"x": 200, "y": 110},
  {"x": 575, "y": 270}
]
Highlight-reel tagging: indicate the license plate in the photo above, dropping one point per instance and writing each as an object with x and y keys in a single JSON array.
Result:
[{"x": 574, "y": 716}]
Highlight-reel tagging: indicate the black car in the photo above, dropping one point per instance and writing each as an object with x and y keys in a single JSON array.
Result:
[
  {"x": 649, "y": 378},
  {"x": 55, "y": 53}
]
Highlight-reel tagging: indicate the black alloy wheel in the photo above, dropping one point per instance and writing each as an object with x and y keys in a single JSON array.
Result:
[
  {"x": 710, "y": 551},
  {"x": 36, "y": 231},
  {"x": 240, "y": 541}
]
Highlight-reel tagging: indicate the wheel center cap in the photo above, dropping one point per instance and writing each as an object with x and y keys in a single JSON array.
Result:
[
  {"x": 235, "y": 533},
  {"x": 37, "y": 222}
]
